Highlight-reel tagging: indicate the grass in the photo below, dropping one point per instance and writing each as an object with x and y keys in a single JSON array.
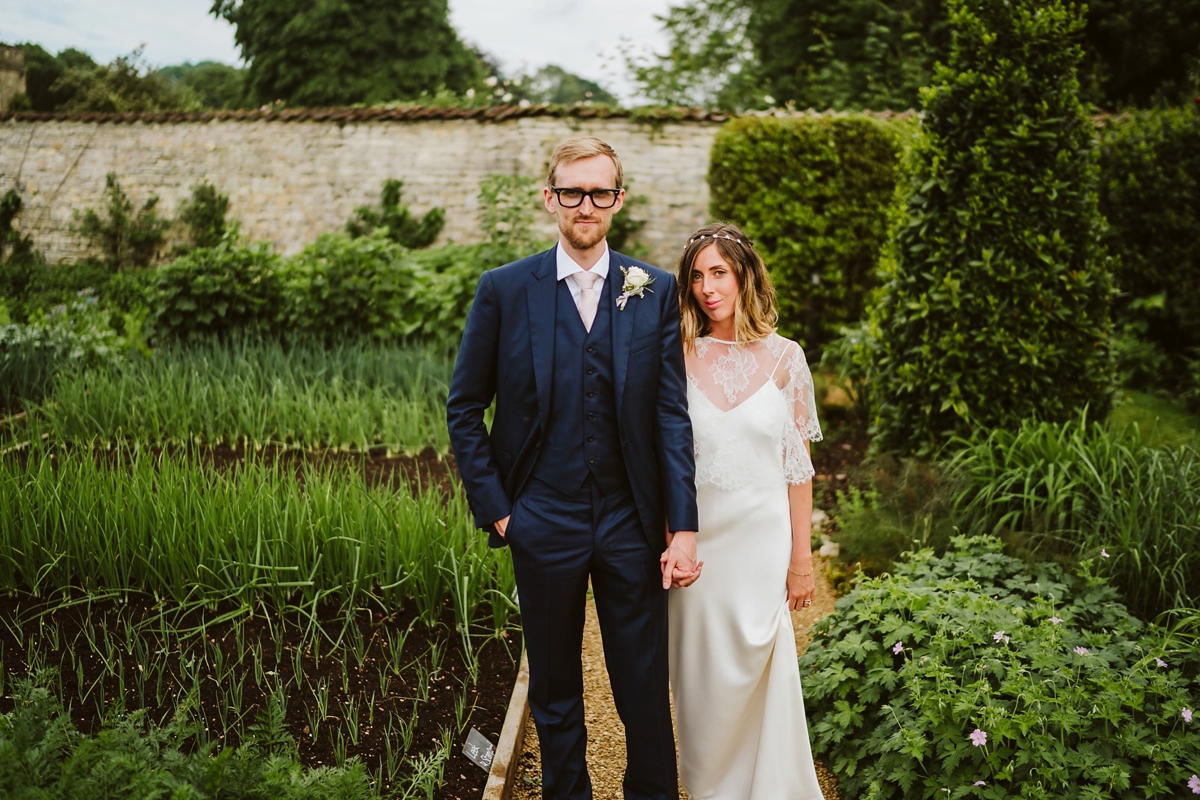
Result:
[
  {"x": 1090, "y": 491},
  {"x": 353, "y": 395},
  {"x": 1159, "y": 420}
]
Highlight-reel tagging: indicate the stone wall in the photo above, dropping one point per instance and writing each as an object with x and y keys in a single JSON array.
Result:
[
  {"x": 12, "y": 74},
  {"x": 290, "y": 179}
]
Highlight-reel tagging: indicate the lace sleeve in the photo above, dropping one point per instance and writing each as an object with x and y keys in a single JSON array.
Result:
[{"x": 805, "y": 427}]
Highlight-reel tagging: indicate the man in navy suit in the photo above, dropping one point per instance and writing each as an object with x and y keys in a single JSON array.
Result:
[{"x": 588, "y": 469}]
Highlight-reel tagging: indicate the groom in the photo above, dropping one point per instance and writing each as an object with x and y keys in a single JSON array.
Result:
[{"x": 588, "y": 470}]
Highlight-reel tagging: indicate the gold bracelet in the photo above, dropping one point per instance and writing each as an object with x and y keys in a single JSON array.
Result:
[{"x": 800, "y": 574}]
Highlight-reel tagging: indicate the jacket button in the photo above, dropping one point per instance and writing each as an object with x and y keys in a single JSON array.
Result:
[
  {"x": 591, "y": 348},
  {"x": 591, "y": 371},
  {"x": 591, "y": 415},
  {"x": 591, "y": 438},
  {"x": 591, "y": 394},
  {"x": 592, "y": 460}
]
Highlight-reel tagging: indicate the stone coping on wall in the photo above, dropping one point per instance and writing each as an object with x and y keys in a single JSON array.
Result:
[{"x": 415, "y": 113}]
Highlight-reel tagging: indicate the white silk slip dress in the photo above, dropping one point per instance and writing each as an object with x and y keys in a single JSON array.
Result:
[{"x": 739, "y": 710}]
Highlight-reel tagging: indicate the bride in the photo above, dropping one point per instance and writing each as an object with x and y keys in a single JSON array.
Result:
[{"x": 738, "y": 704}]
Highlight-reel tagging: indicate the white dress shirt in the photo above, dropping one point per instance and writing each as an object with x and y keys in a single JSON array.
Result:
[{"x": 567, "y": 266}]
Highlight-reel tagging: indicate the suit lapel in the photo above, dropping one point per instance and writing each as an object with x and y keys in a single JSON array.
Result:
[
  {"x": 622, "y": 325},
  {"x": 540, "y": 296}
]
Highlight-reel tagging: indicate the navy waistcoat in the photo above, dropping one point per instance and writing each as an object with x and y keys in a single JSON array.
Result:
[{"x": 581, "y": 434}]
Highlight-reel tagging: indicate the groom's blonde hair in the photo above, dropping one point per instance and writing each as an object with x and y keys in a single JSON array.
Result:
[
  {"x": 578, "y": 148},
  {"x": 755, "y": 313}
]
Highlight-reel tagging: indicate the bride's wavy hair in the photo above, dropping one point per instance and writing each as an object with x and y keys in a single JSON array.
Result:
[{"x": 755, "y": 314}]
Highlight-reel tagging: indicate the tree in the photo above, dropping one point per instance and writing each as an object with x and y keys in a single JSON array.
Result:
[
  {"x": 847, "y": 53},
  {"x": 995, "y": 299},
  {"x": 42, "y": 71},
  {"x": 710, "y": 60},
  {"x": 553, "y": 84},
  {"x": 126, "y": 85},
  {"x": 213, "y": 84},
  {"x": 331, "y": 52},
  {"x": 402, "y": 227},
  {"x": 125, "y": 238},
  {"x": 1142, "y": 52}
]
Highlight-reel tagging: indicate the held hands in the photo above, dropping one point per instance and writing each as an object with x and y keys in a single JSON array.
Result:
[
  {"x": 800, "y": 587},
  {"x": 678, "y": 561}
]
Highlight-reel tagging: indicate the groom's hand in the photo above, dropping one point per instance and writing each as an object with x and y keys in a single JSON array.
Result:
[
  {"x": 678, "y": 561},
  {"x": 501, "y": 525}
]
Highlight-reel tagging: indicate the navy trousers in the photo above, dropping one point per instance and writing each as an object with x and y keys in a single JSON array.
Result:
[{"x": 558, "y": 542}]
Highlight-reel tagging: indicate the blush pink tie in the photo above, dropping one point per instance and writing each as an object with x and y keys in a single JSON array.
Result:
[{"x": 589, "y": 298}]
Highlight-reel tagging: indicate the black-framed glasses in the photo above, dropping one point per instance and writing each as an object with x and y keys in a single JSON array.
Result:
[{"x": 573, "y": 198}]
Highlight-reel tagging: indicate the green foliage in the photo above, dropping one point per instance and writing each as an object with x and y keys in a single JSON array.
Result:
[
  {"x": 553, "y": 85},
  {"x": 1141, "y": 53},
  {"x": 214, "y": 85},
  {"x": 622, "y": 236},
  {"x": 43, "y": 757},
  {"x": 340, "y": 286},
  {"x": 506, "y": 207},
  {"x": 847, "y": 54},
  {"x": 212, "y": 291},
  {"x": 812, "y": 193},
  {"x": 43, "y": 70},
  {"x": 710, "y": 60},
  {"x": 297, "y": 392},
  {"x": 1077, "y": 488},
  {"x": 995, "y": 299},
  {"x": 14, "y": 248},
  {"x": 402, "y": 227},
  {"x": 322, "y": 54},
  {"x": 20, "y": 102},
  {"x": 124, "y": 86},
  {"x": 125, "y": 238},
  {"x": 1056, "y": 673},
  {"x": 1150, "y": 194},
  {"x": 80, "y": 333},
  {"x": 906, "y": 506},
  {"x": 204, "y": 215}
]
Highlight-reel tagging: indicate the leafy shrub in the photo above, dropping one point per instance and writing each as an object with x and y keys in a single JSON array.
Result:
[
  {"x": 341, "y": 286},
  {"x": 43, "y": 757},
  {"x": 905, "y": 506},
  {"x": 812, "y": 194},
  {"x": 1150, "y": 194},
  {"x": 212, "y": 291},
  {"x": 125, "y": 238},
  {"x": 401, "y": 226},
  {"x": 995, "y": 303},
  {"x": 204, "y": 215},
  {"x": 1080, "y": 489},
  {"x": 32, "y": 354},
  {"x": 506, "y": 206},
  {"x": 976, "y": 675}
]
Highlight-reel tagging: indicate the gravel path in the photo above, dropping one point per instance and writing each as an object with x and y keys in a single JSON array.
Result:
[{"x": 606, "y": 734}]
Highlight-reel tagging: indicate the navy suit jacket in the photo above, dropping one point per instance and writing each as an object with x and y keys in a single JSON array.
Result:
[{"x": 507, "y": 353}]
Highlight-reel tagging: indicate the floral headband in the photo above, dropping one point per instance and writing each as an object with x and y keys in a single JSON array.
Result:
[{"x": 719, "y": 236}]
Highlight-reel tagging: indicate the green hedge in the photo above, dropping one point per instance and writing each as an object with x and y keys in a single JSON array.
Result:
[
  {"x": 812, "y": 192},
  {"x": 975, "y": 675},
  {"x": 1150, "y": 194}
]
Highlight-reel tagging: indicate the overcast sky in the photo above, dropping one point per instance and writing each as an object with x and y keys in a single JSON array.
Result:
[{"x": 523, "y": 34}]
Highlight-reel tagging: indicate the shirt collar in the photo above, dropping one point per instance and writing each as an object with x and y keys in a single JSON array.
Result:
[{"x": 567, "y": 266}]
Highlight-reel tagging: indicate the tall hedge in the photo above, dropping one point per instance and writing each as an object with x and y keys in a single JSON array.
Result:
[
  {"x": 995, "y": 298},
  {"x": 812, "y": 192},
  {"x": 1150, "y": 194}
]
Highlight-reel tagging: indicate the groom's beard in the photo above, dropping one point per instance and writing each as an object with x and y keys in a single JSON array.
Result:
[{"x": 585, "y": 238}]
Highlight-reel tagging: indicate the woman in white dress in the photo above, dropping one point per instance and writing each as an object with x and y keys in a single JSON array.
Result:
[{"x": 738, "y": 704}]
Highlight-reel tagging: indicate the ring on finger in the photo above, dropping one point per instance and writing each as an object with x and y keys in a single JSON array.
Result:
[{"x": 808, "y": 602}]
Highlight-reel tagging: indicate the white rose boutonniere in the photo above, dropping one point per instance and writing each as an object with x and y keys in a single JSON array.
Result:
[{"x": 637, "y": 281}]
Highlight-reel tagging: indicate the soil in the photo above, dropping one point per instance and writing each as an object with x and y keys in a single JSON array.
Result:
[{"x": 84, "y": 628}]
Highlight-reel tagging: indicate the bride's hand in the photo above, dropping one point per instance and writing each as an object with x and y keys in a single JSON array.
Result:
[
  {"x": 800, "y": 589},
  {"x": 678, "y": 562}
]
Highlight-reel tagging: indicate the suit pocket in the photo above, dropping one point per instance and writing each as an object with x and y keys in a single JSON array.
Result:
[{"x": 645, "y": 343}]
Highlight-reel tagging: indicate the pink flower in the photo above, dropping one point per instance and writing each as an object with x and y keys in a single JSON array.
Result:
[
  {"x": 898, "y": 647},
  {"x": 978, "y": 737},
  {"x": 1194, "y": 784},
  {"x": 1081, "y": 651},
  {"x": 1103, "y": 552},
  {"x": 979, "y": 783},
  {"x": 1187, "y": 715},
  {"x": 1160, "y": 662},
  {"x": 998, "y": 635},
  {"x": 1056, "y": 620}
]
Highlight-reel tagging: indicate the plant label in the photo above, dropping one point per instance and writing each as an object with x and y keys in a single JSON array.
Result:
[{"x": 479, "y": 750}]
